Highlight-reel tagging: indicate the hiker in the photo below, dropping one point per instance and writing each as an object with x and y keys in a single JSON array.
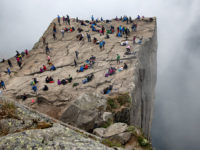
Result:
[
  {"x": 75, "y": 63},
  {"x": 49, "y": 79},
  {"x": 53, "y": 68},
  {"x": 3, "y": 85},
  {"x": 24, "y": 97},
  {"x": 69, "y": 79},
  {"x": 94, "y": 40},
  {"x": 44, "y": 68},
  {"x": 58, "y": 19},
  {"x": 107, "y": 36},
  {"x": 47, "y": 49},
  {"x": 44, "y": 40},
  {"x": 81, "y": 69},
  {"x": 41, "y": 70},
  {"x": 107, "y": 90},
  {"x": 63, "y": 19},
  {"x": 48, "y": 58},
  {"x": 17, "y": 53},
  {"x": 34, "y": 88},
  {"x": 92, "y": 18},
  {"x": 125, "y": 66},
  {"x": 62, "y": 32},
  {"x": 140, "y": 40},
  {"x": 76, "y": 52},
  {"x": 26, "y": 52},
  {"x": 59, "y": 82},
  {"x": 138, "y": 17},
  {"x": 83, "y": 24},
  {"x": 45, "y": 88},
  {"x": 134, "y": 27},
  {"x": 101, "y": 44},
  {"x": 128, "y": 49},
  {"x": 134, "y": 38},
  {"x": 103, "y": 29},
  {"x": 54, "y": 28},
  {"x": 124, "y": 43},
  {"x": 85, "y": 67},
  {"x": 118, "y": 59},
  {"x": 35, "y": 80},
  {"x": 9, "y": 63},
  {"x": 101, "y": 19},
  {"x": 19, "y": 64},
  {"x": 88, "y": 37},
  {"x": 54, "y": 36},
  {"x": 9, "y": 72}
]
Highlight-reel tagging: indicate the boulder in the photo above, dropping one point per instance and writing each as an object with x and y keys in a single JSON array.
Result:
[
  {"x": 122, "y": 138},
  {"x": 115, "y": 129},
  {"x": 99, "y": 132},
  {"x": 123, "y": 115},
  {"x": 107, "y": 116},
  {"x": 84, "y": 112}
]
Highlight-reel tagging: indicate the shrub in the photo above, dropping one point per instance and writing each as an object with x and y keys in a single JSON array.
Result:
[
  {"x": 110, "y": 143},
  {"x": 142, "y": 141}
]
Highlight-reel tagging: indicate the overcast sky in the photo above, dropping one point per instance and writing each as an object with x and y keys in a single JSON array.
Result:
[{"x": 176, "y": 124}]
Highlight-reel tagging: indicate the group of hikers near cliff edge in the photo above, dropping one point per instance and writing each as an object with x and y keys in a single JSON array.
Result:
[{"x": 89, "y": 63}]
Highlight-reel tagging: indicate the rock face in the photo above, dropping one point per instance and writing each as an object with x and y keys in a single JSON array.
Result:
[
  {"x": 115, "y": 132},
  {"x": 83, "y": 105},
  {"x": 145, "y": 76},
  {"x": 23, "y": 134}
]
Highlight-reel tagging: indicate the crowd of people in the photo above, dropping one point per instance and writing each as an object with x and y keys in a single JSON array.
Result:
[{"x": 95, "y": 27}]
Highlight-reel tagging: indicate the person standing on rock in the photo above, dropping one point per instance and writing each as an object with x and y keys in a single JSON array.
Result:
[
  {"x": 9, "y": 72},
  {"x": 54, "y": 28},
  {"x": 62, "y": 32},
  {"x": 9, "y": 63},
  {"x": 118, "y": 59},
  {"x": 92, "y": 18},
  {"x": 77, "y": 53},
  {"x": 89, "y": 37},
  {"x": 103, "y": 29},
  {"x": 58, "y": 19},
  {"x": 54, "y": 36},
  {"x": 44, "y": 40},
  {"x": 47, "y": 49},
  {"x": 75, "y": 63}
]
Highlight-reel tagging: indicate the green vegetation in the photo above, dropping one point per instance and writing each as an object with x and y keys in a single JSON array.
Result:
[
  {"x": 110, "y": 143},
  {"x": 108, "y": 123},
  {"x": 8, "y": 110},
  {"x": 118, "y": 100}
]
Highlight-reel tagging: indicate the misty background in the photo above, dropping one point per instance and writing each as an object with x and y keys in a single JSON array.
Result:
[{"x": 176, "y": 123}]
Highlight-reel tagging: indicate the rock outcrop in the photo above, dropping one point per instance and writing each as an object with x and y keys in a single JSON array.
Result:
[{"x": 84, "y": 104}]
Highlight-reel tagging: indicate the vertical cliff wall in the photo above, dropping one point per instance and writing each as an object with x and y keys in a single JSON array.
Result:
[{"x": 145, "y": 76}]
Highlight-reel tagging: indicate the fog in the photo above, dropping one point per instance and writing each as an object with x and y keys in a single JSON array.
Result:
[{"x": 176, "y": 113}]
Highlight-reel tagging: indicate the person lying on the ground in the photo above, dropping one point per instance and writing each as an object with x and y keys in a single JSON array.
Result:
[
  {"x": 124, "y": 43},
  {"x": 88, "y": 78},
  {"x": 53, "y": 68},
  {"x": 45, "y": 88},
  {"x": 110, "y": 72},
  {"x": 107, "y": 90}
]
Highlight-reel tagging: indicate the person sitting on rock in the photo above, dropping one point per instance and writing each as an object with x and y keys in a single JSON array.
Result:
[
  {"x": 85, "y": 66},
  {"x": 59, "y": 82},
  {"x": 24, "y": 97},
  {"x": 34, "y": 88},
  {"x": 44, "y": 68},
  {"x": 107, "y": 90},
  {"x": 69, "y": 79},
  {"x": 47, "y": 79},
  {"x": 3, "y": 85},
  {"x": 45, "y": 88},
  {"x": 41, "y": 70},
  {"x": 125, "y": 66},
  {"x": 53, "y": 68},
  {"x": 81, "y": 69}
]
